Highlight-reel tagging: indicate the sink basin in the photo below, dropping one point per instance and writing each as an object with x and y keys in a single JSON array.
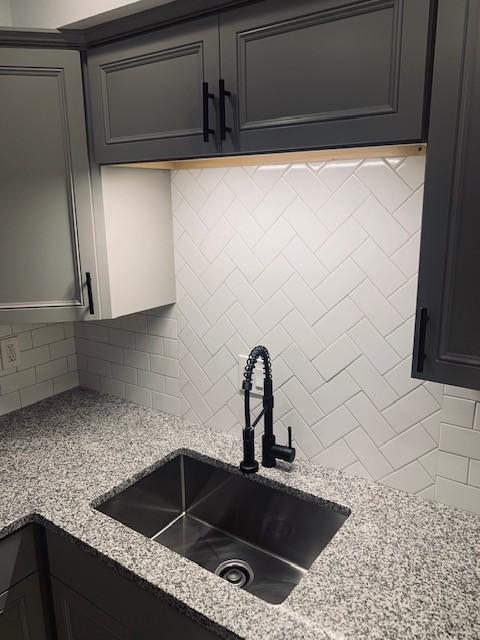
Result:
[{"x": 258, "y": 537}]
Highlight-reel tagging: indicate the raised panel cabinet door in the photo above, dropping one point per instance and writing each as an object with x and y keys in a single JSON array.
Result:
[
  {"x": 21, "y": 613},
  {"x": 323, "y": 73},
  {"x": 45, "y": 200},
  {"x": 447, "y": 337},
  {"x": 78, "y": 619},
  {"x": 153, "y": 97}
]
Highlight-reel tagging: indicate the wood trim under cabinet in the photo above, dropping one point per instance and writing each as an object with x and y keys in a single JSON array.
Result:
[{"x": 321, "y": 155}]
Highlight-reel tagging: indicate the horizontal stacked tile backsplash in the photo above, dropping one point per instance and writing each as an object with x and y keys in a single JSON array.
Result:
[
  {"x": 48, "y": 364},
  {"x": 458, "y": 471}
]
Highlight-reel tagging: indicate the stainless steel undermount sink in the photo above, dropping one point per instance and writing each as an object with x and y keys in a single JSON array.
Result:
[{"x": 254, "y": 535}]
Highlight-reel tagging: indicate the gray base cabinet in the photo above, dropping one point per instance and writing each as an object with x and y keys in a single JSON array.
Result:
[
  {"x": 21, "y": 611},
  {"x": 447, "y": 337},
  {"x": 280, "y": 76}
]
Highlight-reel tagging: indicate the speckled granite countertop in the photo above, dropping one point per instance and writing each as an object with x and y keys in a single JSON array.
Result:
[{"x": 400, "y": 567}]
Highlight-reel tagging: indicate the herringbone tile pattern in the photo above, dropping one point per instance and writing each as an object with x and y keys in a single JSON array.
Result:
[{"x": 319, "y": 263}]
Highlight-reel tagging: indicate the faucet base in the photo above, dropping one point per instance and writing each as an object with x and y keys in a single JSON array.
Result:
[{"x": 249, "y": 467}]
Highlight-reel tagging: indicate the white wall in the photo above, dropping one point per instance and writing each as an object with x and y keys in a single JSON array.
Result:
[
  {"x": 5, "y": 14},
  {"x": 55, "y": 13}
]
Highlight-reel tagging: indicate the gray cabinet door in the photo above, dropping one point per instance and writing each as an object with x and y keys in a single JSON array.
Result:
[
  {"x": 45, "y": 205},
  {"x": 447, "y": 338},
  {"x": 147, "y": 94},
  {"x": 21, "y": 613},
  {"x": 324, "y": 73},
  {"x": 78, "y": 619}
]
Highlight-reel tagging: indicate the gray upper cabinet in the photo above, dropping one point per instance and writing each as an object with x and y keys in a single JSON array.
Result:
[
  {"x": 45, "y": 203},
  {"x": 281, "y": 75},
  {"x": 447, "y": 337},
  {"x": 324, "y": 73},
  {"x": 147, "y": 94}
]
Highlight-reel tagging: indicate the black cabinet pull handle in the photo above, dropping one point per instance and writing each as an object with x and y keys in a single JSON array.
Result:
[
  {"x": 419, "y": 354},
  {"x": 222, "y": 95},
  {"x": 91, "y": 308},
  {"x": 206, "y": 127}
]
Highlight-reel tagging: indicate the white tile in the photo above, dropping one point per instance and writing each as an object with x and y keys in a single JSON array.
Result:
[
  {"x": 302, "y": 368},
  {"x": 274, "y": 204},
  {"x": 243, "y": 187},
  {"x": 219, "y": 364},
  {"x": 384, "y": 317},
  {"x": 189, "y": 188},
  {"x": 458, "y": 411},
  {"x": 217, "y": 202},
  {"x": 429, "y": 462},
  {"x": 368, "y": 454},
  {"x": 372, "y": 383},
  {"x": 9, "y": 402},
  {"x": 100, "y": 367},
  {"x": 136, "y": 359},
  {"x": 412, "y": 170},
  {"x": 208, "y": 179},
  {"x": 217, "y": 305},
  {"x": 99, "y": 350},
  {"x": 474, "y": 473},
  {"x": 219, "y": 395},
  {"x": 273, "y": 311},
  {"x": 305, "y": 262},
  {"x": 303, "y": 334},
  {"x": 113, "y": 387},
  {"x": 89, "y": 380},
  {"x": 358, "y": 470},
  {"x": 244, "y": 258},
  {"x": 36, "y": 393},
  {"x": 50, "y": 333},
  {"x": 301, "y": 433},
  {"x": 308, "y": 185},
  {"x": 336, "y": 357},
  {"x": 138, "y": 395},
  {"x": 410, "y": 213},
  {"x": 334, "y": 393},
  {"x": 244, "y": 223},
  {"x": 337, "y": 321},
  {"x": 458, "y": 495},
  {"x": 343, "y": 203},
  {"x": 335, "y": 172},
  {"x": 16, "y": 381},
  {"x": 432, "y": 425},
  {"x": 223, "y": 420},
  {"x": 408, "y": 446},
  {"x": 66, "y": 382},
  {"x": 151, "y": 381},
  {"x": 196, "y": 374},
  {"x": 463, "y": 442},
  {"x": 370, "y": 418},
  {"x": 277, "y": 340},
  {"x": 388, "y": 188},
  {"x": 197, "y": 402},
  {"x": 166, "y": 403},
  {"x": 244, "y": 324},
  {"x": 306, "y": 224},
  {"x": 452, "y": 466},
  {"x": 217, "y": 272},
  {"x": 400, "y": 378},
  {"x": 412, "y": 478},
  {"x": 334, "y": 426},
  {"x": 341, "y": 244},
  {"x": 304, "y": 299},
  {"x": 410, "y": 409},
  {"x": 339, "y": 283},
  {"x": 374, "y": 346},
  {"x": 121, "y": 338},
  {"x": 170, "y": 347},
  {"x": 272, "y": 278},
  {"x": 401, "y": 338},
  {"x": 191, "y": 254},
  {"x": 380, "y": 269},
  {"x": 39, "y": 355},
  {"x": 196, "y": 319},
  {"x": 165, "y": 327},
  {"x": 149, "y": 344},
  {"x": 302, "y": 401},
  {"x": 406, "y": 258},
  {"x": 266, "y": 176},
  {"x": 271, "y": 243},
  {"x": 338, "y": 456},
  {"x": 244, "y": 291},
  {"x": 404, "y": 299},
  {"x": 58, "y": 349},
  {"x": 460, "y": 392},
  {"x": 51, "y": 369},
  {"x": 165, "y": 366},
  {"x": 218, "y": 334}
]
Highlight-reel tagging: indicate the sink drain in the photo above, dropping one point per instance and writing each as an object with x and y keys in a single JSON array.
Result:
[{"x": 236, "y": 572}]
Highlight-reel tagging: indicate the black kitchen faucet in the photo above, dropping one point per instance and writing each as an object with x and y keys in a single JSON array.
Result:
[{"x": 271, "y": 452}]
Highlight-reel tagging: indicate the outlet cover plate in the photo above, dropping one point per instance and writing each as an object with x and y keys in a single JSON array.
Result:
[{"x": 10, "y": 353}]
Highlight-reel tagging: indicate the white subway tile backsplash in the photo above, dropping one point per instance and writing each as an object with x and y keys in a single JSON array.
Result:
[
  {"x": 452, "y": 466},
  {"x": 463, "y": 442},
  {"x": 458, "y": 411},
  {"x": 458, "y": 495},
  {"x": 474, "y": 473},
  {"x": 384, "y": 183}
]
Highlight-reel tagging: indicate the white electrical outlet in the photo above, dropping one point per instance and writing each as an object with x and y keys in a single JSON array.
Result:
[
  {"x": 257, "y": 378},
  {"x": 10, "y": 352}
]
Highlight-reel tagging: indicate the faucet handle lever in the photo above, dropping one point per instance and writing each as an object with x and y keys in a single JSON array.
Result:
[{"x": 290, "y": 437}]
